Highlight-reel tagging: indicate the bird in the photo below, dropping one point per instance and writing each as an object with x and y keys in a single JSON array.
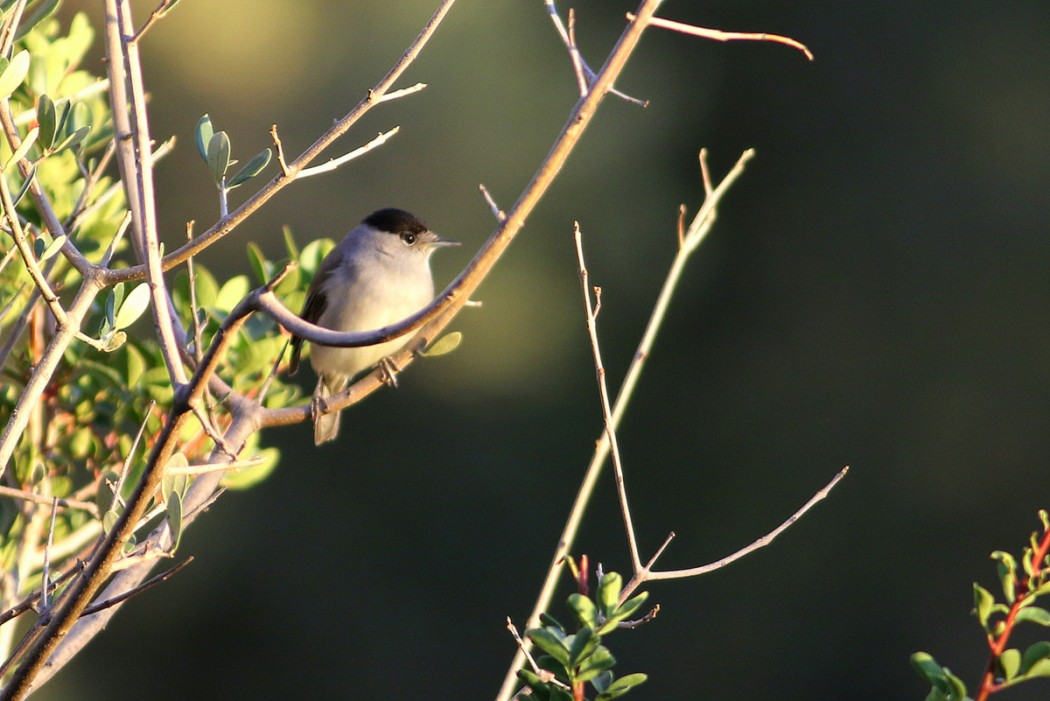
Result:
[{"x": 377, "y": 275}]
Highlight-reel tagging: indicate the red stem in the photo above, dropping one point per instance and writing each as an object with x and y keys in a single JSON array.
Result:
[{"x": 996, "y": 646}]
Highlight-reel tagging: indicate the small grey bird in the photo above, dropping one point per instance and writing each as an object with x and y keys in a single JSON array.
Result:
[{"x": 378, "y": 275}]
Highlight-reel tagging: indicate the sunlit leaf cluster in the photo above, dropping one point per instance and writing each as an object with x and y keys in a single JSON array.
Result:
[
  {"x": 1023, "y": 583},
  {"x": 575, "y": 658}
]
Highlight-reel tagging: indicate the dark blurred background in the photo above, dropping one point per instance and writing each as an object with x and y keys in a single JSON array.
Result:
[{"x": 875, "y": 294}]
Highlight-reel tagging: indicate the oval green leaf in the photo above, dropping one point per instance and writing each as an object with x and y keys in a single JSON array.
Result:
[
  {"x": 219, "y": 156},
  {"x": 14, "y": 74},
  {"x": 23, "y": 148},
  {"x": 251, "y": 169},
  {"x": 203, "y": 134},
  {"x": 136, "y": 302},
  {"x": 444, "y": 345},
  {"x": 47, "y": 118}
]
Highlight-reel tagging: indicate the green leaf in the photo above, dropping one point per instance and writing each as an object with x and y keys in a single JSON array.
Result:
[
  {"x": 1036, "y": 653},
  {"x": 609, "y": 593},
  {"x": 203, "y": 134},
  {"x": 43, "y": 11},
  {"x": 113, "y": 301},
  {"x": 982, "y": 604},
  {"x": 621, "y": 686},
  {"x": 1010, "y": 662},
  {"x": 219, "y": 156},
  {"x": 47, "y": 118},
  {"x": 23, "y": 149},
  {"x": 246, "y": 477},
  {"x": 251, "y": 169},
  {"x": 289, "y": 242},
  {"x": 596, "y": 663},
  {"x": 25, "y": 186},
  {"x": 1007, "y": 569},
  {"x": 549, "y": 643},
  {"x": 174, "y": 509},
  {"x": 444, "y": 345},
  {"x": 258, "y": 262},
  {"x": 928, "y": 669},
  {"x": 551, "y": 622},
  {"x": 585, "y": 610},
  {"x": 109, "y": 519},
  {"x": 624, "y": 611},
  {"x": 175, "y": 482},
  {"x": 53, "y": 248},
  {"x": 582, "y": 645},
  {"x": 232, "y": 292},
  {"x": 137, "y": 302},
  {"x": 1034, "y": 614},
  {"x": 74, "y": 139},
  {"x": 956, "y": 688},
  {"x": 13, "y": 74},
  {"x": 113, "y": 340},
  {"x": 540, "y": 689}
]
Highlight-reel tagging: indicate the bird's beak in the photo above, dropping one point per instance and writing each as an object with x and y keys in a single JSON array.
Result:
[{"x": 438, "y": 241}]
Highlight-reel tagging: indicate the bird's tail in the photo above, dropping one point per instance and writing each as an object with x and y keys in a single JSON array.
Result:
[{"x": 326, "y": 426}]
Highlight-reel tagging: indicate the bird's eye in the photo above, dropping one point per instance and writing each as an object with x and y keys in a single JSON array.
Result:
[{"x": 408, "y": 238}]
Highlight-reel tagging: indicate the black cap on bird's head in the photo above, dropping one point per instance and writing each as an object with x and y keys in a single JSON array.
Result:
[
  {"x": 410, "y": 229},
  {"x": 396, "y": 221}
]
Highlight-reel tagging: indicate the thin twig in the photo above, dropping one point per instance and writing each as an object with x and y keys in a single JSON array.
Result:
[
  {"x": 10, "y": 27},
  {"x": 521, "y": 645},
  {"x": 631, "y": 625},
  {"x": 718, "y": 35},
  {"x": 500, "y": 215},
  {"x": 40, "y": 499},
  {"x": 28, "y": 256},
  {"x": 213, "y": 467},
  {"x": 603, "y": 395},
  {"x": 279, "y": 149},
  {"x": 574, "y": 53},
  {"x": 45, "y": 573},
  {"x": 395, "y": 94},
  {"x": 157, "y": 14},
  {"x": 356, "y": 153},
  {"x": 131, "y": 452},
  {"x": 148, "y": 584},
  {"x": 760, "y": 543}
]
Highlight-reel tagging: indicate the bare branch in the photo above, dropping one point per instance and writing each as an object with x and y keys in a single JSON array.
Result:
[
  {"x": 135, "y": 155},
  {"x": 158, "y": 13},
  {"x": 500, "y": 215},
  {"x": 148, "y": 584},
  {"x": 718, "y": 35},
  {"x": 40, "y": 499},
  {"x": 584, "y": 74},
  {"x": 387, "y": 97},
  {"x": 45, "y": 574},
  {"x": 760, "y": 543},
  {"x": 336, "y": 162},
  {"x": 603, "y": 394},
  {"x": 279, "y": 148}
]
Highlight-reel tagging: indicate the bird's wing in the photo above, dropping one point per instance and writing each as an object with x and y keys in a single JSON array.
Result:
[{"x": 316, "y": 301}]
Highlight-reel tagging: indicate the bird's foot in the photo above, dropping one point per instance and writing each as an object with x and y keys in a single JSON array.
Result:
[{"x": 388, "y": 370}]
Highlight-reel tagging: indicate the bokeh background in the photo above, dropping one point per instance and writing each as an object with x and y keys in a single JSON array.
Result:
[{"x": 875, "y": 294}]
